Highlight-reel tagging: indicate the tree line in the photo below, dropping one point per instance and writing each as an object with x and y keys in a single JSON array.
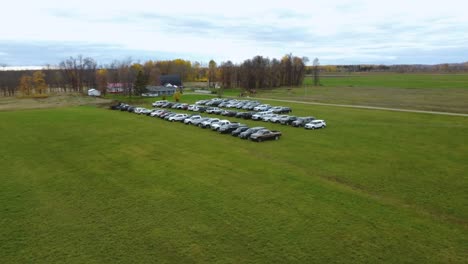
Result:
[
  {"x": 76, "y": 74},
  {"x": 397, "y": 68},
  {"x": 259, "y": 72}
]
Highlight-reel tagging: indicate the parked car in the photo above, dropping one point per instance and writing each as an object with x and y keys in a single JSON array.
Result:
[
  {"x": 197, "y": 122},
  {"x": 145, "y": 111},
  {"x": 281, "y": 110},
  {"x": 267, "y": 117},
  {"x": 208, "y": 122},
  {"x": 301, "y": 121},
  {"x": 285, "y": 110},
  {"x": 167, "y": 105},
  {"x": 216, "y": 125},
  {"x": 246, "y": 134},
  {"x": 159, "y": 103},
  {"x": 182, "y": 106},
  {"x": 259, "y": 115},
  {"x": 201, "y": 109},
  {"x": 166, "y": 117},
  {"x": 116, "y": 106},
  {"x": 124, "y": 107},
  {"x": 178, "y": 117},
  {"x": 265, "y": 134},
  {"x": 315, "y": 124},
  {"x": 213, "y": 110},
  {"x": 263, "y": 107},
  {"x": 287, "y": 120},
  {"x": 164, "y": 114},
  {"x": 239, "y": 130},
  {"x": 277, "y": 118},
  {"x": 248, "y": 115},
  {"x": 157, "y": 112},
  {"x": 239, "y": 114},
  {"x": 176, "y": 105},
  {"x": 275, "y": 109},
  {"x": 191, "y": 107},
  {"x": 190, "y": 120},
  {"x": 137, "y": 110},
  {"x": 229, "y": 128},
  {"x": 252, "y": 106}
]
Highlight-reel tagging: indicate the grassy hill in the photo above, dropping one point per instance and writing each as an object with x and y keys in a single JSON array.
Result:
[{"x": 89, "y": 185}]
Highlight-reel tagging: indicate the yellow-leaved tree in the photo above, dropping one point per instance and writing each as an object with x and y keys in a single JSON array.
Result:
[
  {"x": 101, "y": 79},
  {"x": 40, "y": 85},
  {"x": 25, "y": 85},
  {"x": 177, "y": 96}
]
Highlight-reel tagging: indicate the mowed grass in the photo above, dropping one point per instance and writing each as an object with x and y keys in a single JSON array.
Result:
[
  {"x": 393, "y": 80},
  {"x": 430, "y": 92},
  {"x": 89, "y": 185}
]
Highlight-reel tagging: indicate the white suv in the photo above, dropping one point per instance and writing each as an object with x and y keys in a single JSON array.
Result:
[
  {"x": 215, "y": 126},
  {"x": 191, "y": 119},
  {"x": 178, "y": 117},
  {"x": 262, "y": 107},
  {"x": 315, "y": 124}
]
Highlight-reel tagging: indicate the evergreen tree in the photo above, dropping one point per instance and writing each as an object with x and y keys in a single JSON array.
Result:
[{"x": 140, "y": 83}]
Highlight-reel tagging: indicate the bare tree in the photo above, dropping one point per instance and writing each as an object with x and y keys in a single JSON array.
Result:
[{"x": 79, "y": 72}]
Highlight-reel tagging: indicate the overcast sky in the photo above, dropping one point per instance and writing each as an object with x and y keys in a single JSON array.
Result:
[{"x": 337, "y": 32}]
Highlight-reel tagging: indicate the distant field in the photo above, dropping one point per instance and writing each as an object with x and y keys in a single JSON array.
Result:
[
  {"x": 446, "y": 93},
  {"x": 90, "y": 185},
  {"x": 394, "y": 80},
  {"x": 53, "y": 101}
]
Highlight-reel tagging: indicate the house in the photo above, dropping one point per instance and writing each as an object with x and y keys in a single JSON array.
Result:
[
  {"x": 94, "y": 92},
  {"x": 173, "y": 79},
  {"x": 117, "y": 88},
  {"x": 160, "y": 90}
]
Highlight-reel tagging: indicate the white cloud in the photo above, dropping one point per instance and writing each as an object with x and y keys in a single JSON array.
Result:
[{"x": 241, "y": 29}]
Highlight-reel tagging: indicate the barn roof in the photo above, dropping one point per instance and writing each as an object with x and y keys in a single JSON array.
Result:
[{"x": 173, "y": 79}]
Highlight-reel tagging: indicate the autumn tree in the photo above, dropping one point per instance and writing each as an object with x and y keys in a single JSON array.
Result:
[
  {"x": 152, "y": 73},
  {"x": 228, "y": 75},
  {"x": 177, "y": 95},
  {"x": 25, "y": 84},
  {"x": 211, "y": 73},
  {"x": 101, "y": 80},
  {"x": 39, "y": 82}
]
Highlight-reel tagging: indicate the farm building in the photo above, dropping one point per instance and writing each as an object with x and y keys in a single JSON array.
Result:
[
  {"x": 173, "y": 79},
  {"x": 160, "y": 90},
  {"x": 94, "y": 92},
  {"x": 117, "y": 88}
]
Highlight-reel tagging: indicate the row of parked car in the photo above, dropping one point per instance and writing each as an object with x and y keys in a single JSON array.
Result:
[
  {"x": 225, "y": 126},
  {"x": 216, "y": 104},
  {"x": 273, "y": 114},
  {"x": 243, "y": 104}
]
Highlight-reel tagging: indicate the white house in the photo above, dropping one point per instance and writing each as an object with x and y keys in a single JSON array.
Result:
[{"x": 94, "y": 92}]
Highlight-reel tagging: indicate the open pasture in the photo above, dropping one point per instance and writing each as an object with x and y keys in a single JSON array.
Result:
[{"x": 90, "y": 185}]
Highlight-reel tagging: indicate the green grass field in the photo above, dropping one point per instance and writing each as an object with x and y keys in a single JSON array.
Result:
[
  {"x": 393, "y": 80},
  {"x": 430, "y": 92},
  {"x": 90, "y": 185}
]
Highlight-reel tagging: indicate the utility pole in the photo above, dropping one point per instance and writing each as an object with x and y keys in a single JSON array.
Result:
[{"x": 316, "y": 72}]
